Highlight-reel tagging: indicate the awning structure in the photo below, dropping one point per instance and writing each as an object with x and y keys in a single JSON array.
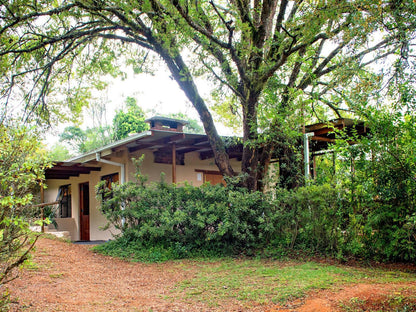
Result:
[
  {"x": 168, "y": 147},
  {"x": 324, "y": 133}
]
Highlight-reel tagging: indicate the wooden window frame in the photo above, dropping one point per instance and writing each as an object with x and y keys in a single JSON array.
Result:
[{"x": 65, "y": 201}]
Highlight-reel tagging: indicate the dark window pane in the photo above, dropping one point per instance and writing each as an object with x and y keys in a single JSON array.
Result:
[{"x": 64, "y": 197}]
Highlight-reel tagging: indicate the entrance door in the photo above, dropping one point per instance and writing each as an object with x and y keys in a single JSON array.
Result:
[{"x": 84, "y": 211}]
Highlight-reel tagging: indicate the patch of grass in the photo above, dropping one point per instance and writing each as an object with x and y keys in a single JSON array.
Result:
[
  {"x": 138, "y": 252},
  {"x": 56, "y": 275},
  {"x": 263, "y": 282},
  {"x": 402, "y": 300}
]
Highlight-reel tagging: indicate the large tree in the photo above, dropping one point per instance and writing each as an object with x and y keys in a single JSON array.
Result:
[{"x": 311, "y": 52}]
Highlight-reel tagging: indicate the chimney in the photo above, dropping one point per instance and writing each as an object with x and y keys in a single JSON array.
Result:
[{"x": 166, "y": 124}]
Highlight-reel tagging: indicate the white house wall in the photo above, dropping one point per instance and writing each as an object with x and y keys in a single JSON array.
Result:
[
  {"x": 97, "y": 219},
  {"x": 183, "y": 172}
]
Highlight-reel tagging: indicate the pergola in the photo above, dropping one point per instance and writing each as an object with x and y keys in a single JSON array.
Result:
[{"x": 322, "y": 134}]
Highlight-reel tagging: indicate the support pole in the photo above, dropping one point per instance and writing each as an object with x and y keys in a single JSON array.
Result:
[
  {"x": 173, "y": 163},
  {"x": 306, "y": 137},
  {"x": 42, "y": 212}
]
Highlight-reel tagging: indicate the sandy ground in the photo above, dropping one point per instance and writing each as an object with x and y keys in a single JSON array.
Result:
[{"x": 69, "y": 277}]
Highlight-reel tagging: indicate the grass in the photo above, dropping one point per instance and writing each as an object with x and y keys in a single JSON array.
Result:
[
  {"x": 251, "y": 281},
  {"x": 402, "y": 300},
  {"x": 262, "y": 282},
  {"x": 151, "y": 254}
]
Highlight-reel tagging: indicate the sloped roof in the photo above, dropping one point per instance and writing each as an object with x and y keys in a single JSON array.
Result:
[{"x": 156, "y": 140}]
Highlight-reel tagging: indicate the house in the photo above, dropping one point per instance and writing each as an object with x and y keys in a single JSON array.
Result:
[
  {"x": 182, "y": 157},
  {"x": 166, "y": 149}
]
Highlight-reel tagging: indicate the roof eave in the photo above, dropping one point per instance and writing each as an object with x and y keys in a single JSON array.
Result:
[{"x": 108, "y": 149}]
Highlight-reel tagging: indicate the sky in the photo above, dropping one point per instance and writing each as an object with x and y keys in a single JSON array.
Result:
[{"x": 158, "y": 92}]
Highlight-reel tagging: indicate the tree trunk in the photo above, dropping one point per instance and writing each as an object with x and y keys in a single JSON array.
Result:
[
  {"x": 250, "y": 159},
  {"x": 181, "y": 74}
]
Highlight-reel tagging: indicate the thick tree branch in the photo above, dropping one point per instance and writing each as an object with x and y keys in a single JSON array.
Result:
[
  {"x": 199, "y": 28},
  {"x": 19, "y": 19}
]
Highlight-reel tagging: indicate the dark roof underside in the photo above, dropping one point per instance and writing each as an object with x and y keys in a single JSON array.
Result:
[
  {"x": 65, "y": 170},
  {"x": 325, "y": 133}
]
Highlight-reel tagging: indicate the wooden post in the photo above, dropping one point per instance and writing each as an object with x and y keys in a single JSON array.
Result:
[
  {"x": 42, "y": 215},
  {"x": 173, "y": 163}
]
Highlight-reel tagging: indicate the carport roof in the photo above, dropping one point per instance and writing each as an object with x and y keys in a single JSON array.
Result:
[{"x": 325, "y": 133}]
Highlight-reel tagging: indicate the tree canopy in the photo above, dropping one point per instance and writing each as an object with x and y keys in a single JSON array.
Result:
[{"x": 272, "y": 61}]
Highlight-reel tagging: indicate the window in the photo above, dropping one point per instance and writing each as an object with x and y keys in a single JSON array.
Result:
[
  {"x": 108, "y": 180},
  {"x": 64, "y": 198}
]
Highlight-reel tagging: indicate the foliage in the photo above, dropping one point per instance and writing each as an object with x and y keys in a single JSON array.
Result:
[
  {"x": 83, "y": 141},
  {"x": 381, "y": 186},
  {"x": 130, "y": 121},
  {"x": 187, "y": 220},
  {"x": 124, "y": 123},
  {"x": 311, "y": 57},
  {"x": 59, "y": 152},
  {"x": 22, "y": 164},
  {"x": 309, "y": 218}
]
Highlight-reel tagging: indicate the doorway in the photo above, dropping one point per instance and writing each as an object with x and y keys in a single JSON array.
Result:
[{"x": 84, "y": 211}]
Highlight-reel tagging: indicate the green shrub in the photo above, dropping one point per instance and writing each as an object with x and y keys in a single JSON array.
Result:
[
  {"x": 187, "y": 218},
  {"x": 22, "y": 163},
  {"x": 310, "y": 217}
]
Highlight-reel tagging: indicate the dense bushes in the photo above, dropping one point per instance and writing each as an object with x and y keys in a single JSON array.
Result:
[
  {"x": 219, "y": 220},
  {"x": 190, "y": 218},
  {"x": 162, "y": 221}
]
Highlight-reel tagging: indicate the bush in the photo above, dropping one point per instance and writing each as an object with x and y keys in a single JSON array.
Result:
[
  {"x": 210, "y": 217},
  {"x": 309, "y": 217},
  {"x": 22, "y": 164}
]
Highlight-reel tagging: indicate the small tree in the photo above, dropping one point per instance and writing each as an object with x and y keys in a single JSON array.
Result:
[{"x": 22, "y": 164}]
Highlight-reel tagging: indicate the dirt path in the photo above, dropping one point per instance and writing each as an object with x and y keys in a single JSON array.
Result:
[{"x": 68, "y": 277}]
